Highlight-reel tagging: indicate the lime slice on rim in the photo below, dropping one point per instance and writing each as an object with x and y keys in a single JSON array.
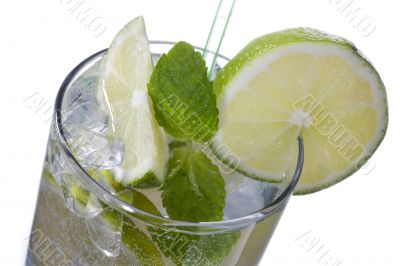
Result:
[
  {"x": 300, "y": 81},
  {"x": 123, "y": 92}
]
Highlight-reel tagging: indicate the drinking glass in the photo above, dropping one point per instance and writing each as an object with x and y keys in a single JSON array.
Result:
[{"x": 79, "y": 221}]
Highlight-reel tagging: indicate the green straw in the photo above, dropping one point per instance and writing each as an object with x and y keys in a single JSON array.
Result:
[{"x": 217, "y": 33}]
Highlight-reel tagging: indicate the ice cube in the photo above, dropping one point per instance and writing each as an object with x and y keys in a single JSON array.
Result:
[
  {"x": 83, "y": 89},
  {"x": 95, "y": 150},
  {"x": 74, "y": 193},
  {"x": 85, "y": 125},
  {"x": 57, "y": 167},
  {"x": 55, "y": 160},
  {"x": 87, "y": 115},
  {"x": 80, "y": 105},
  {"x": 104, "y": 235},
  {"x": 246, "y": 196}
]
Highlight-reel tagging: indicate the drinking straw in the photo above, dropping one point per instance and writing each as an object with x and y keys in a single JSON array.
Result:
[{"x": 217, "y": 33}]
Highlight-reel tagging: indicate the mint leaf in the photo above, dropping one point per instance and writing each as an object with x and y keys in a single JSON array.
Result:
[
  {"x": 193, "y": 189},
  {"x": 182, "y": 96}
]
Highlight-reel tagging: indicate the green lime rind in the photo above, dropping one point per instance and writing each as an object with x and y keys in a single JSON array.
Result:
[
  {"x": 149, "y": 180},
  {"x": 134, "y": 239},
  {"x": 81, "y": 194},
  {"x": 231, "y": 164},
  {"x": 141, "y": 245},
  {"x": 269, "y": 43},
  {"x": 48, "y": 176},
  {"x": 107, "y": 177},
  {"x": 128, "y": 194},
  {"x": 143, "y": 248}
]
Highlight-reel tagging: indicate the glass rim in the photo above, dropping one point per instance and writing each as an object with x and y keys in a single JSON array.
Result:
[{"x": 112, "y": 200}]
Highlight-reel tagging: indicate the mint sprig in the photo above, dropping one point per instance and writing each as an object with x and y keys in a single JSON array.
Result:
[
  {"x": 193, "y": 189},
  {"x": 182, "y": 96}
]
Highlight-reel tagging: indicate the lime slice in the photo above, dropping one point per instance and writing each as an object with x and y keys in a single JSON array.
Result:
[
  {"x": 123, "y": 92},
  {"x": 300, "y": 81}
]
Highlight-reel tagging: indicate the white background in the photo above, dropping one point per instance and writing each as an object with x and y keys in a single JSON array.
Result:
[{"x": 357, "y": 220}]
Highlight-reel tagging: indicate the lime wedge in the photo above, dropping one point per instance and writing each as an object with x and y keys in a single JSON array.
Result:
[
  {"x": 300, "y": 81},
  {"x": 123, "y": 92}
]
